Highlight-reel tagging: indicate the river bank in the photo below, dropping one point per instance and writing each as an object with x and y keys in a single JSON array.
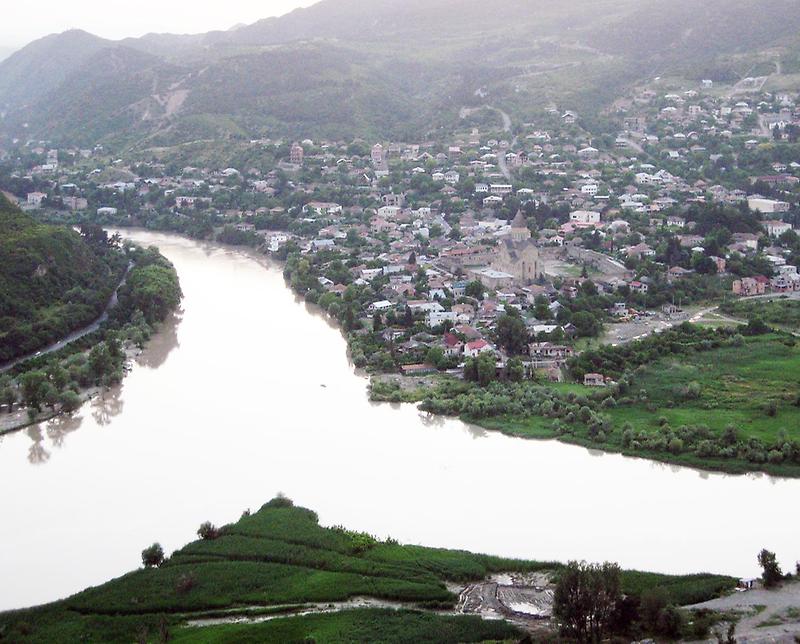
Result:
[
  {"x": 192, "y": 412},
  {"x": 58, "y": 380}
]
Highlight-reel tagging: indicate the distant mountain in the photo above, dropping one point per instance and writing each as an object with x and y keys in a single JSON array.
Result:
[
  {"x": 342, "y": 68},
  {"x": 5, "y": 52},
  {"x": 30, "y": 73}
]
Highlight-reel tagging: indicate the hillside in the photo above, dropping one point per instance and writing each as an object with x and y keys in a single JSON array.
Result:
[
  {"x": 33, "y": 71},
  {"x": 341, "y": 69},
  {"x": 274, "y": 576},
  {"x": 51, "y": 282}
]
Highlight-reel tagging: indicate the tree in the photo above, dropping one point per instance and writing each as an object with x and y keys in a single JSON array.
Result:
[
  {"x": 207, "y": 531},
  {"x": 486, "y": 368},
  {"x": 33, "y": 389},
  {"x": 435, "y": 357},
  {"x": 474, "y": 290},
  {"x": 512, "y": 334},
  {"x": 515, "y": 370},
  {"x": 70, "y": 401},
  {"x": 586, "y": 324},
  {"x": 8, "y": 395},
  {"x": 153, "y": 556},
  {"x": 772, "y": 571},
  {"x": 586, "y": 598}
]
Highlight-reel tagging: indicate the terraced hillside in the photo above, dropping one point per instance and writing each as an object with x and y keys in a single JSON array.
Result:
[{"x": 282, "y": 577}]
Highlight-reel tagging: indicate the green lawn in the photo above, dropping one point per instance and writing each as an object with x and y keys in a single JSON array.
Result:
[{"x": 280, "y": 560}]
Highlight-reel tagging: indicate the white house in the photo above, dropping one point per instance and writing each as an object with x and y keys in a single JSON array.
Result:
[{"x": 585, "y": 217}]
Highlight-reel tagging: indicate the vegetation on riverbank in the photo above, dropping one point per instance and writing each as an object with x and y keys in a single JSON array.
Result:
[
  {"x": 53, "y": 280},
  {"x": 58, "y": 381},
  {"x": 712, "y": 399},
  {"x": 281, "y": 559}
]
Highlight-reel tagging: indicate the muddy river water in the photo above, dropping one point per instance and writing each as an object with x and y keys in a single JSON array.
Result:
[{"x": 248, "y": 393}]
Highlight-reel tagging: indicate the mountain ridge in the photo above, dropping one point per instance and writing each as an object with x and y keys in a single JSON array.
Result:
[{"x": 339, "y": 68}]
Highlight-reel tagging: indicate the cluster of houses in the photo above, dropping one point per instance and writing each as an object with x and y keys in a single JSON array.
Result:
[{"x": 467, "y": 208}]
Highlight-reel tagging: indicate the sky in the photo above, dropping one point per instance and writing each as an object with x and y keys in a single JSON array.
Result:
[{"x": 117, "y": 19}]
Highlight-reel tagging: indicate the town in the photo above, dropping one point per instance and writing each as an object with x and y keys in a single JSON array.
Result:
[{"x": 689, "y": 196}]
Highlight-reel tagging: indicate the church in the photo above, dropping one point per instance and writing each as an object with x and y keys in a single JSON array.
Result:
[{"x": 518, "y": 255}]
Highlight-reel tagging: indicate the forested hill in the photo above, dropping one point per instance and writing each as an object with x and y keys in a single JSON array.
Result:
[
  {"x": 52, "y": 281},
  {"x": 389, "y": 68}
]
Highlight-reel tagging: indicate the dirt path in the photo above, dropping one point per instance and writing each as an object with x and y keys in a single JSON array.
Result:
[{"x": 769, "y": 615}]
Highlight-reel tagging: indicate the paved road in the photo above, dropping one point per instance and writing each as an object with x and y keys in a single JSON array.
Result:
[{"x": 75, "y": 335}]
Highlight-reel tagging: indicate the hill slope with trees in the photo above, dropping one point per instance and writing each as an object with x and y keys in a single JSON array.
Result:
[
  {"x": 340, "y": 69},
  {"x": 52, "y": 281}
]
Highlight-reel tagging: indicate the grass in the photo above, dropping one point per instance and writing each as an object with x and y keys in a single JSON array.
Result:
[
  {"x": 363, "y": 625},
  {"x": 279, "y": 561},
  {"x": 736, "y": 386},
  {"x": 778, "y": 311}
]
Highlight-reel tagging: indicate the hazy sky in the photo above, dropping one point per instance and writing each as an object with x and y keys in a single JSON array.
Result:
[{"x": 122, "y": 18}]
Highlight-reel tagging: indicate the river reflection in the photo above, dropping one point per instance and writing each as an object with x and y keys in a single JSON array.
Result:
[{"x": 250, "y": 392}]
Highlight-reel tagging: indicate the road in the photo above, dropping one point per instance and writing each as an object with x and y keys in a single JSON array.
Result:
[
  {"x": 501, "y": 155},
  {"x": 75, "y": 335}
]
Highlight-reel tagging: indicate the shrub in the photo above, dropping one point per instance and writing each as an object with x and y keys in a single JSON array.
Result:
[
  {"x": 186, "y": 582},
  {"x": 676, "y": 446}
]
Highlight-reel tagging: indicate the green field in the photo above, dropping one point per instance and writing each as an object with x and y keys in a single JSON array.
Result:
[
  {"x": 679, "y": 408},
  {"x": 779, "y": 311},
  {"x": 280, "y": 560}
]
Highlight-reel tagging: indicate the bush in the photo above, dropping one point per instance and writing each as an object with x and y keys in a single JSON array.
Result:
[{"x": 186, "y": 582}]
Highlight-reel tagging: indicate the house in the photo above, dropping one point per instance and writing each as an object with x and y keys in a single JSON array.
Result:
[
  {"x": 383, "y": 305},
  {"x": 296, "y": 154},
  {"x": 476, "y": 347},
  {"x": 569, "y": 118},
  {"x": 452, "y": 345},
  {"x": 594, "y": 380},
  {"x": 767, "y": 206},
  {"x": 547, "y": 354},
  {"x": 437, "y": 318},
  {"x": 35, "y": 199},
  {"x": 776, "y": 228},
  {"x": 424, "y": 306},
  {"x": 676, "y": 272},
  {"x": 320, "y": 244},
  {"x": 749, "y": 286},
  {"x": 501, "y": 189},
  {"x": 585, "y": 217},
  {"x": 322, "y": 208},
  {"x": 452, "y": 177},
  {"x": 639, "y": 251}
]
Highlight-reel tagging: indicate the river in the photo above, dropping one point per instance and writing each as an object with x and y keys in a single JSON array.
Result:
[{"x": 248, "y": 392}]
